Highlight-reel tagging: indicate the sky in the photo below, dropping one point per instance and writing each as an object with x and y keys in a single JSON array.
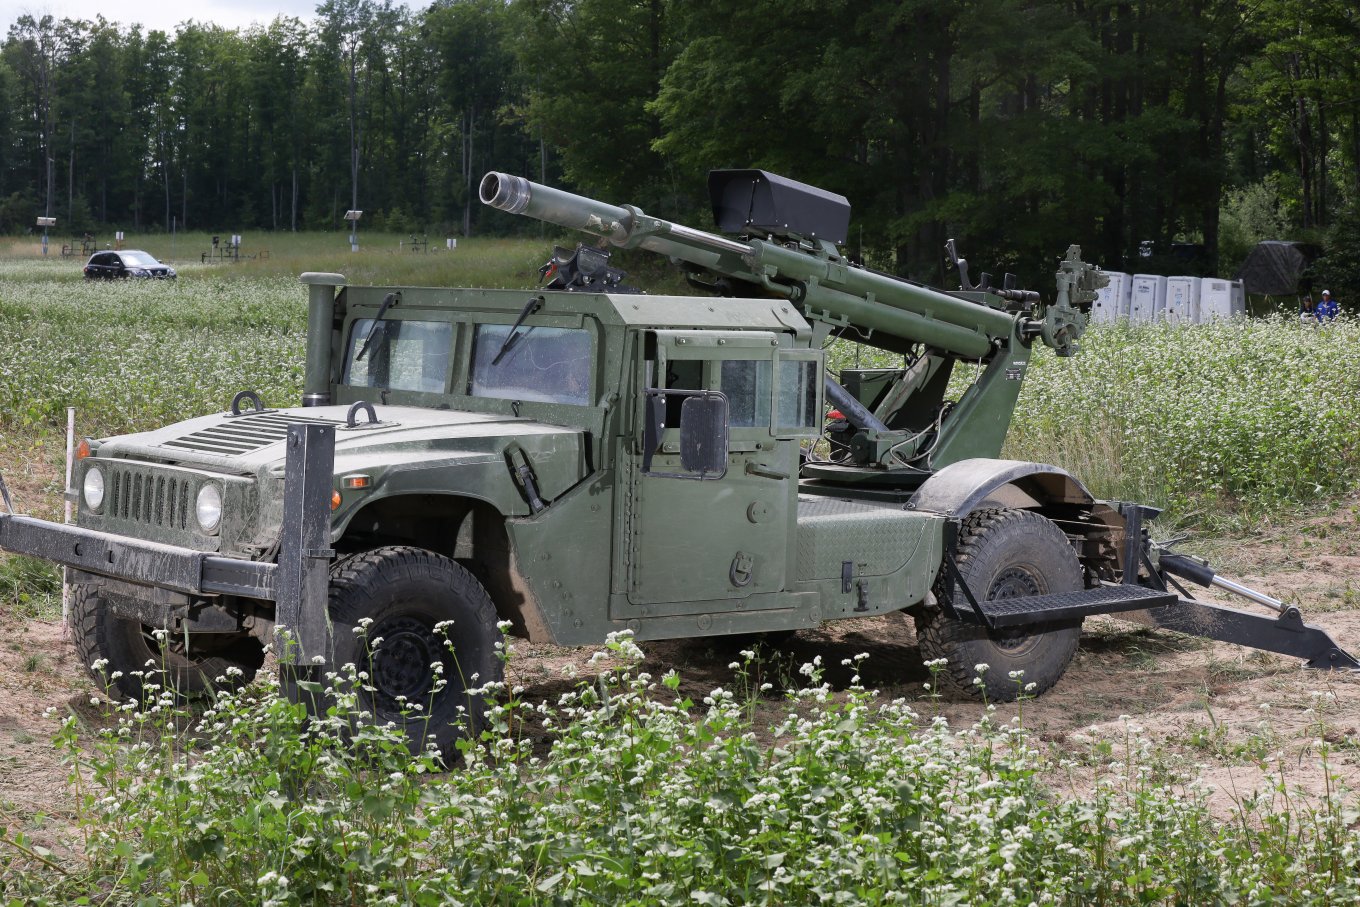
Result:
[{"x": 160, "y": 14}]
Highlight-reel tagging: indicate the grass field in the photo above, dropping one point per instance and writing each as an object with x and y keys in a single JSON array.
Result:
[
  {"x": 1233, "y": 418},
  {"x": 380, "y": 259},
  {"x": 792, "y": 781}
]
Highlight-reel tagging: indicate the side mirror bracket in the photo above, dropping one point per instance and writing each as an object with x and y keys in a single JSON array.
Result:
[{"x": 703, "y": 433}]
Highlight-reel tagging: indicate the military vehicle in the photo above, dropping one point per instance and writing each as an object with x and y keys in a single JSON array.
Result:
[{"x": 584, "y": 458}]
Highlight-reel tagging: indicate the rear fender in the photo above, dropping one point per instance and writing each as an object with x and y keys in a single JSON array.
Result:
[{"x": 980, "y": 483}]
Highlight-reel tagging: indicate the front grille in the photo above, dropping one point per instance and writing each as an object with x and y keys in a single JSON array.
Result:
[
  {"x": 242, "y": 434},
  {"x": 157, "y": 500}
]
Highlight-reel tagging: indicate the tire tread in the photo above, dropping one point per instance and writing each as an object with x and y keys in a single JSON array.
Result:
[{"x": 940, "y": 636}]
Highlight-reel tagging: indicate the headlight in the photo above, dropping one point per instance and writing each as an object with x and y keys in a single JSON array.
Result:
[
  {"x": 139, "y": 272},
  {"x": 94, "y": 488},
  {"x": 208, "y": 508}
]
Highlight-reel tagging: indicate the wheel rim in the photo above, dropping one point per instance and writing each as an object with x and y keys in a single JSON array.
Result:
[
  {"x": 172, "y": 653},
  {"x": 401, "y": 664},
  {"x": 1014, "y": 582}
]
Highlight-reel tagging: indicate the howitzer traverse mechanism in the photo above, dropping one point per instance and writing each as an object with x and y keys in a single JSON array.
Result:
[{"x": 583, "y": 458}]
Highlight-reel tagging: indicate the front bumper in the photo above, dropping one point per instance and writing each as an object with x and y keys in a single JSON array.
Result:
[
  {"x": 136, "y": 561},
  {"x": 297, "y": 584}
]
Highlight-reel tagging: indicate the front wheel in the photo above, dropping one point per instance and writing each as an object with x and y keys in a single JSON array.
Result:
[
  {"x": 430, "y": 637},
  {"x": 134, "y": 658},
  {"x": 1005, "y": 554}
]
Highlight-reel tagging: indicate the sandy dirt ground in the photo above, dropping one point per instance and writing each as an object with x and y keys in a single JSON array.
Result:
[{"x": 1237, "y": 720}]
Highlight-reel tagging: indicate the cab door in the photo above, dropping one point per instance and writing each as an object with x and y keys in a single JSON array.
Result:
[{"x": 713, "y": 484}]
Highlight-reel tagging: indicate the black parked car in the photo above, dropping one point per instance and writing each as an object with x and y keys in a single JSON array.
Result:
[{"x": 128, "y": 263}]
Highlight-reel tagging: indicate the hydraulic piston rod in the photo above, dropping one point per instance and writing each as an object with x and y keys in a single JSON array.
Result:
[
  {"x": 1259, "y": 597},
  {"x": 1200, "y": 573}
]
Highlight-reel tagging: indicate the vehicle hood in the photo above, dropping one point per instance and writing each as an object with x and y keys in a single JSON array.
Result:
[
  {"x": 253, "y": 443},
  {"x": 410, "y": 453}
]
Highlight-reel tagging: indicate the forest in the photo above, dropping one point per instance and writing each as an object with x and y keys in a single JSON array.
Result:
[{"x": 1015, "y": 126}]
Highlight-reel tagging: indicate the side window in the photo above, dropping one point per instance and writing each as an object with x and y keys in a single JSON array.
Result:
[
  {"x": 746, "y": 382},
  {"x": 399, "y": 354},
  {"x": 681, "y": 374},
  {"x": 796, "y": 410}
]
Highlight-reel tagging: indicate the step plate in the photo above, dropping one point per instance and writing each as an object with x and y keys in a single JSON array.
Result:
[{"x": 1065, "y": 606}]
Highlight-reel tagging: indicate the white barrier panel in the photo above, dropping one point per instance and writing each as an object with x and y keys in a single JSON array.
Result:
[
  {"x": 1182, "y": 300},
  {"x": 1221, "y": 299},
  {"x": 1112, "y": 301},
  {"x": 1147, "y": 298}
]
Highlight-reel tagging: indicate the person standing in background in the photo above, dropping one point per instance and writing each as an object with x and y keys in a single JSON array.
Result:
[{"x": 1327, "y": 307}]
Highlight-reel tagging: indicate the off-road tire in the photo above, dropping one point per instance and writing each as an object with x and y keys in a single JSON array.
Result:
[
  {"x": 131, "y": 650},
  {"x": 1004, "y": 554},
  {"x": 405, "y": 592}
]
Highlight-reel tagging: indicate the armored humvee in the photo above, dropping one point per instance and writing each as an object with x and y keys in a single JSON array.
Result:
[{"x": 583, "y": 458}]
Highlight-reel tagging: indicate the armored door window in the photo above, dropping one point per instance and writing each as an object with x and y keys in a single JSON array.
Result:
[
  {"x": 399, "y": 354},
  {"x": 746, "y": 382},
  {"x": 737, "y": 364},
  {"x": 798, "y": 394}
]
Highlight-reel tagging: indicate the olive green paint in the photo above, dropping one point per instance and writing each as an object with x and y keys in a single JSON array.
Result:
[{"x": 578, "y": 517}]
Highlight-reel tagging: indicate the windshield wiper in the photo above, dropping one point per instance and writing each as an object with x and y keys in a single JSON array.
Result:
[
  {"x": 389, "y": 300},
  {"x": 533, "y": 305}
]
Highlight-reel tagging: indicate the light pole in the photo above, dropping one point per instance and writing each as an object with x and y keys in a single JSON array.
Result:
[
  {"x": 353, "y": 217},
  {"x": 45, "y": 223}
]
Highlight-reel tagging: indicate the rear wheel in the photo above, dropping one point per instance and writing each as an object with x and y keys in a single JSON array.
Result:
[
  {"x": 424, "y": 611},
  {"x": 189, "y": 668},
  {"x": 1005, "y": 554}
]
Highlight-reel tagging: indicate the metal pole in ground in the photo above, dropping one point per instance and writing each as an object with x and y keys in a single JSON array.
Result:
[{"x": 70, "y": 469}]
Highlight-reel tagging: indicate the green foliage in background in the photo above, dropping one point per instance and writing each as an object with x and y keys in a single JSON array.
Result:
[
  {"x": 1250, "y": 214},
  {"x": 143, "y": 353},
  {"x": 1016, "y": 126},
  {"x": 33, "y": 586},
  {"x": 1231, "y": 417}
]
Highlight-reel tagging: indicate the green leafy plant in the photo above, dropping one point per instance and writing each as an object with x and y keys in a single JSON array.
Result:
[
  {"x": 626, "y": 791},
  {"x": 31, "y": 586}
]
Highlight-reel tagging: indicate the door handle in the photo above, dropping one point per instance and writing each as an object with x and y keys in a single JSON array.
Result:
[{"x": 767, "y": 472}]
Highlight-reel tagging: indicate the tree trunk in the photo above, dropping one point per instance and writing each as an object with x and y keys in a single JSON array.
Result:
[
  {"x": 71, "y": 179},
  {"x": 353, "y": 136}
]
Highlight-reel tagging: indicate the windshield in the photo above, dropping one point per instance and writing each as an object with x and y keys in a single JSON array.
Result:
[
  {"x": 139, "y": 260},
  {"x": 403, "y": 355},
  {"x": 544, "y": 365}
]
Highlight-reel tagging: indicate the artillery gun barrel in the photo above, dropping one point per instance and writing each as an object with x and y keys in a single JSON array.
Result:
[
  {"x": 869, "y": 301},
  {"x": 517, "y": 195}
]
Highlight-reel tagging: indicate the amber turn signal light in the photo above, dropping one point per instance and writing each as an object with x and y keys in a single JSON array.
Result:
[
  {"x": 356, "y": 481},
  {"x": 83, "y": 449},
  {"x": 335, "y": 500}
]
